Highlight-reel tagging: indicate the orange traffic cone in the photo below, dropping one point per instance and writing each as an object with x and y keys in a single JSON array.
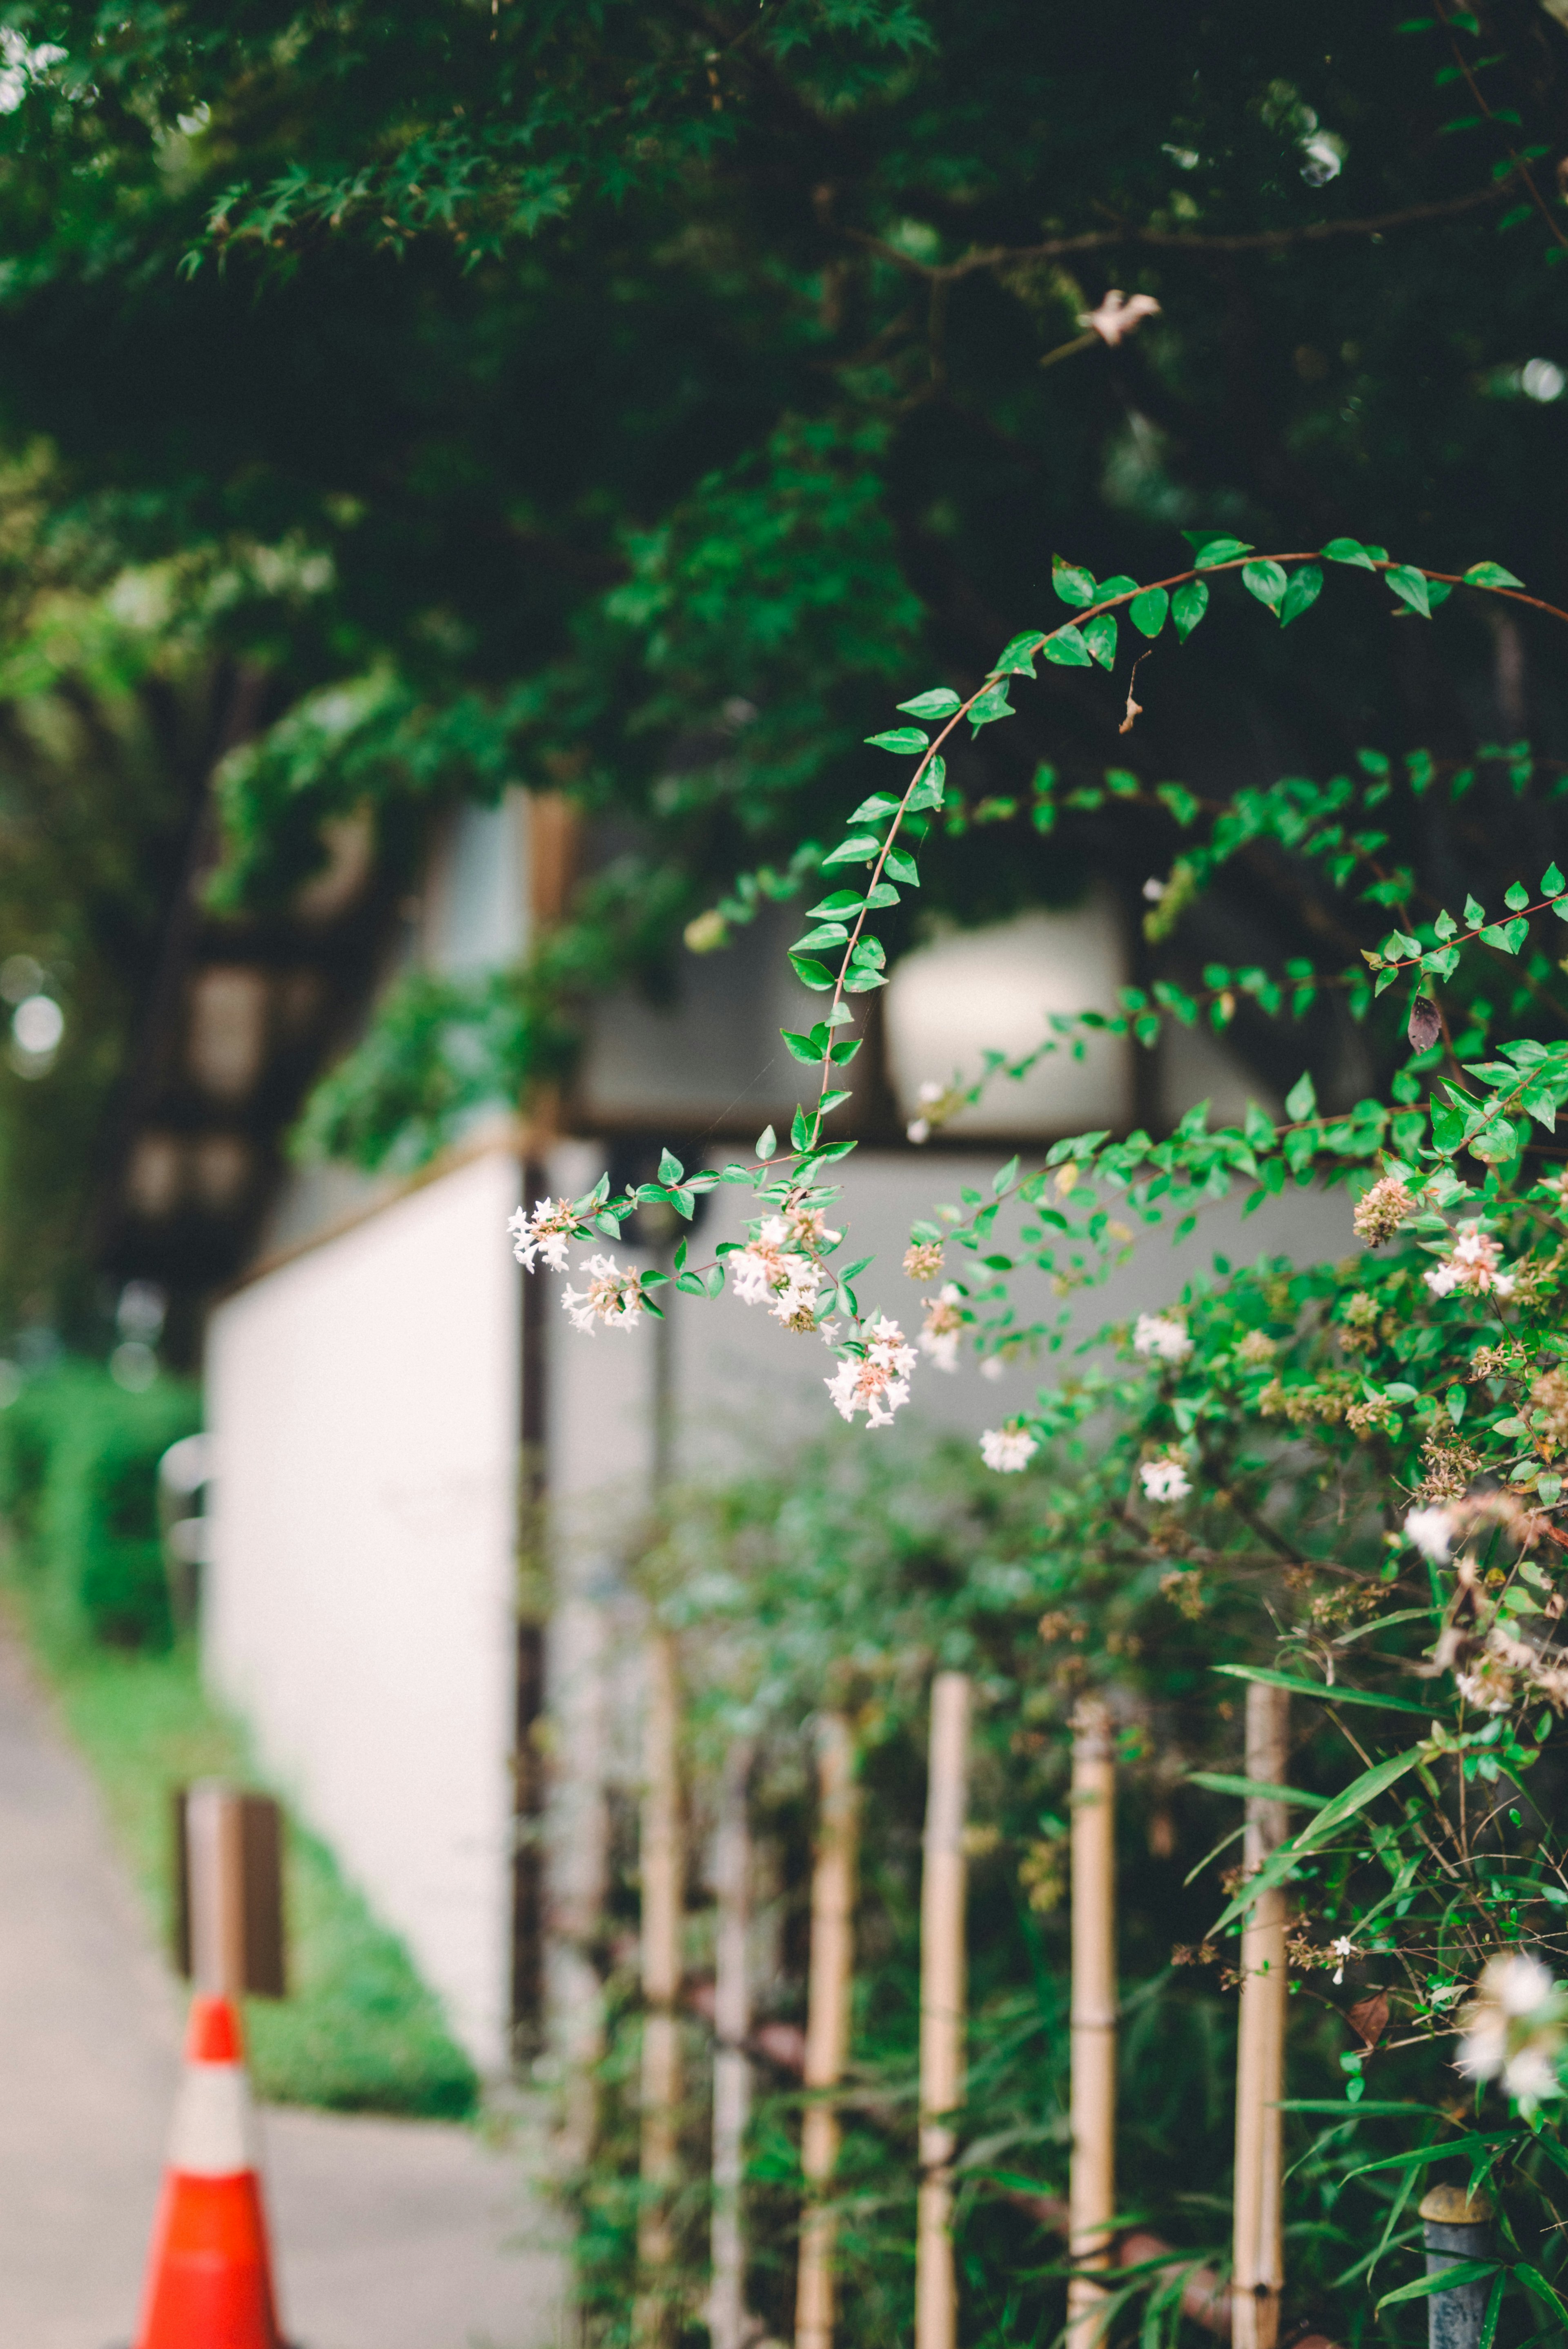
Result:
[{"x": 209, "y": 2281}]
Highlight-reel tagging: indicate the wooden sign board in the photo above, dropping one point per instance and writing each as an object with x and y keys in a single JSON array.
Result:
[{"x": 229, "y": 1935}]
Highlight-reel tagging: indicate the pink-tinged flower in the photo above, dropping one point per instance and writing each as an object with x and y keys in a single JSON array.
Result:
[
  {"x": 611, "y": 1297},
  {"x": 1432, "y": 1531},
  {"x": 1119, "y": 317},
  {"x": 779, "y": 1266},
  {"x": 944, "y": 1327},
  {"x": 1165, "y": 1480},
  {"x": 1007, "y": 1449},
  {"x": 544, "y": 1233},
  {"x": 1473, "y": 1264},
  {"x": 1514, "y": 2028},
  {"x": 1162, "y": 1334},
  {"x": 874, "y": 1377}
]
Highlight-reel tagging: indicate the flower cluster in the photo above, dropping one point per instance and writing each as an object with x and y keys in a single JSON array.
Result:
[
  {"x": 781, "y": 1266},
  {"x": 1514, "y": 2028},
  {"x": 544, "y": 1233},
  {"x": 1166, "y": 1479},
  {"x": 873, "y": 1375},
  {"x": 937, "y": 1104},
  {"x": 1007, "y": 1449},
  {"x": 923, "y": 1259},
  {"x": 1162, "y": 1335},
  {"x": 1381, "y": 1209},
  {"x": 944, "y": 1327},
  {"x": 612, "y": 1297},
  {"x": 1473, "y": 1264}
]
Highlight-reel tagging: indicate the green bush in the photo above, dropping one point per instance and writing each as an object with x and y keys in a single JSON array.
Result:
[{"x": 79, "y": 1488}]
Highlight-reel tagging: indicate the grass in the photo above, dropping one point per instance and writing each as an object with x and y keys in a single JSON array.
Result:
[{"x": 359, "y": 2032}]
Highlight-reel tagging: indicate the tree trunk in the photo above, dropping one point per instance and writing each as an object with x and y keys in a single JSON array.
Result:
[
  {"x": 1092, "y": 2187},
  {"x": 1259, "y": 2263},
  {"x": 827, "y": 2020},
  {"x": 942, "y": 2005}
]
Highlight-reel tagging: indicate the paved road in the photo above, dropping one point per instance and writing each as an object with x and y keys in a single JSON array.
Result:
[{"x": 389, "y": 2234}]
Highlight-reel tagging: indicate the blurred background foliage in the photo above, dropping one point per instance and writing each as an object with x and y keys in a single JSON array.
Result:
[{"x": 621, "y": 400}]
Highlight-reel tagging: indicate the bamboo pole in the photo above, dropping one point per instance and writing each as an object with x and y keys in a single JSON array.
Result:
[
  {"x": 827, "y": 2020},
  {"x": 662, "y": 1871},
  {"x": 942, "y": 2008},
  {"x": 1258, "y": 2273},
  {"x": 1092, "y": 2182},
  {"x": 727, "y": 2321}
]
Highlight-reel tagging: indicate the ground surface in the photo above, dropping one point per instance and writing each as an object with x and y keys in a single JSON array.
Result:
[{"x": 387, "y": 2234}]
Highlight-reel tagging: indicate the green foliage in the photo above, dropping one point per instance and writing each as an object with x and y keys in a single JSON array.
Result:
[{"x": 79, "y": 1488}]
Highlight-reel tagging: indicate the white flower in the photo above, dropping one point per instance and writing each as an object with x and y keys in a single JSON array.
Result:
[
  {"x": 775, "y": 1270},
  {"x": 1483, "y": 1693},
  {"x": 1432, "y": 1531},
  {"x": 1165, "y": 1480},
  {"x": 1474, "y": 1263},
  {"x": 992, "y": 1367},
  {"x": 1514, "y": 2027},
  {"x": 1118, "y": 315},
  {"x": 875, "y": 1380},
  {"x": 1161, "y": 1334},
  {"x": 1342, "y": 1949},
  {"x": 1007, "y": 1449},
  {"x": 944, "y": 1327},
  {"x": 611, "y": 1296},
  {"x": 919, "y": 1129},
  {"x": 930, "y": 1090},
  {"x": 544, "y": 1233}
]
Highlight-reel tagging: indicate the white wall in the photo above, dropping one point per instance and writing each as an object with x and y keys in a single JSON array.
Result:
[{"x": 364, "y": 1401}]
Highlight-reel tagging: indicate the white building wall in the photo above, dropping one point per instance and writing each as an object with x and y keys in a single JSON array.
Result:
[{"x": 359, "y": 1609}]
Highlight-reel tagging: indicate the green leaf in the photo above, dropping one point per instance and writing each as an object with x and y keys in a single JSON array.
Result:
[
  {"x": 1005, "y": 1176},
  {"x": 712, "y": 1280},
  {"x": 1349, "y": 549},
  {"x": 1490, "y": 575},
  {"x": 842, "y": 901},
  {"x": 767, "y": 1144},
  {"x": 1147, "y": 612},
  {"x": 1120, "y": 586},
  {"x": 1267, "y": 580},
  {"x": 1506, "y": 936},
  {"x": 1073, "y": 586},
  {"x": 1302, "y": 1099},
  {"x": 879, "y": 803},
  {"x": 1322, "y": 1690},
  {"x": 899, "y": 739},
  {"x": 811, "y": 973},
  {"x": 1475, "y": 913},
  {"x": 858, "y": 849},
  {"x": 670, "y": 1167},
  {"x": 803, "y": 1048},
  {"x": 1215, "y": 550},
  {"x": 1446, "y": 2278},
  {"x": 927, "y": 792},
  {"x": 1188, "y": 606},
  {"x": 1016, "y": 657},
  {"x": 1099, "y": 636},
  {"x": 902, "y": 868},
  {"x": 800, "y": 1129},
  {"x": 939, "y": 702},
  {"x": 845, "y": 1050},
  {"x": 987, "y": 706},
  {"x": 1410, "y": 586},
  {"x": 1220, "y": 1782},
  {"x": 1552, "y": 882},
  {"x": 1305, "y": 587},
  {"x": 1325, "y": 1823},
  {"x": 1067, "y": 648}
]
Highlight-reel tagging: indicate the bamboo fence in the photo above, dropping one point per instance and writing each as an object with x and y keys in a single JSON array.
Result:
[
  {"x": 827, "y": 2021},
  {"x": 941, "y": 2006}
]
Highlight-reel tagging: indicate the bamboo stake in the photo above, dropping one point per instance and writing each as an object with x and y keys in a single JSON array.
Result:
[
  {"x": 827, "y": 2020},
  {"x": 661, "y": 2077},
  {"x": 1259, "y": 2264},
  {"x": 942, "y": 2007},
  {"x": 726, "y": 2321},
  {"x": 1092, "y": 2185}
]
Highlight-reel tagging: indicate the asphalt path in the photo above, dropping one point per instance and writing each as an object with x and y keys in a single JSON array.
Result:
[{"x": 387, "y": 2234}]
